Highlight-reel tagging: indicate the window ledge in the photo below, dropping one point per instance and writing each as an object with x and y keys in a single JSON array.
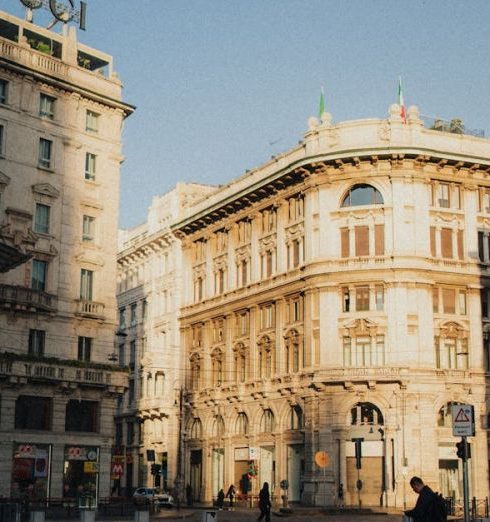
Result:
[{"x": 46, "y": 169}]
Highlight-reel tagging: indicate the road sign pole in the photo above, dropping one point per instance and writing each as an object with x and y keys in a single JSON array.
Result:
[{"x": 466, "y": 494}]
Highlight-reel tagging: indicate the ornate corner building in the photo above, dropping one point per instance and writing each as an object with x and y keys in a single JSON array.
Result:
[
  {"x": 61, "y": 114},
  {"x": 148, "y": 417},
  {"x": 340, "y": 292}
]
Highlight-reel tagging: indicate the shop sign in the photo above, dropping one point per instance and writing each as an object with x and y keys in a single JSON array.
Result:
[
  {"x": 253, "y": 453},
  {"x": 90, "y": 467},
  {"x": 63, "y": 10},
  {"x": 25, "y": 451},
  {"x": 241, "y": 454}
]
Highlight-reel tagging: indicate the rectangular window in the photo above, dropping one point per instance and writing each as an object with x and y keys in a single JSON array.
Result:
[
  {"x": 134, "y": 318},
  {"x": 449, "y": 300},
  {"x": 3, "y": 92},
  {"x": 242, "y": 323},
  {"x": 122, "y": 318},
  {"x": 296, "y": 246},
  {"x": 347, "y": 351},
  {"x": 244, "y": 231},
  {"x": 435, "y": 300},
  {"x": 2, "y": 140},
  {"x": 33, "y": 413},
  {"x": 84, "y": 348},
  {"x": 379, "y": 297},
  {"x": 481, "y": 250},
  {"x": 447, "y": 242},
  {"x": 267, "y": 316},
  {"x": 433, "y": 251},
  {"x": 379, "y": 240},
  {"x": 41, "y": 218},
  {"x": 46, "y": 106},
  {"x": 92, "y": 122},
  {"x": 344, "y": 242},
  {"x": 81, "y": 416},
  {"x": 268, "y": 220},
  {"x": 362, "y": 298},
  {"x": 462, "y": 302},
  {"x": 484, "y": 302},
  {"x": 485, "y": 200},
  {"x": 86, "y": 284},
  {"x": 345, "y": 299},
  {"x": 39, "y": 275},
  {"x": 460, "y": 244},
  {"x": 45, "y": 152},
  {"x": 90, "y": 160},
  {"x": 36, "y": 342},
  {"x": 443, "y": 195},
  {"x": 362, "y": 240},
  {"x": 88, "y": 228}
]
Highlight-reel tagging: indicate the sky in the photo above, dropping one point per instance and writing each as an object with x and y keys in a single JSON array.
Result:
[{"x": 221, "y": 85}]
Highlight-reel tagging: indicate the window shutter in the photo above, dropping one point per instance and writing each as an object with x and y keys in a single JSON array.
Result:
[
  {"x": 344, "y": 240},
  {"x": 379, "y": 240},
  {"x": 460, "y": 245},
  {"x": 433, "y": 241},
  {"x": 362, "y": 241},
  {"x": 447, "y": 242}
]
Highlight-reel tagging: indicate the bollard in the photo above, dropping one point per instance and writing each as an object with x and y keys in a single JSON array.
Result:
[
  {"x": 37, "y": 516},
  {"x": 209, "y": 516}
]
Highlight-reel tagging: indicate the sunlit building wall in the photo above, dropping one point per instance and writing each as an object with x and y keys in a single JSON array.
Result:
[
  {"x": 339, "y": 292},
  {"x": 61, "y": 114}
]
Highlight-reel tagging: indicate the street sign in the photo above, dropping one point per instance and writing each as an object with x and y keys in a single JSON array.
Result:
[
  {"x": 253, "y": 453},
  {"x": 463, "y": 420}
]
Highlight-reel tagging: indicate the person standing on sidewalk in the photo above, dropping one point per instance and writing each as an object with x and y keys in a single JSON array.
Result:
[
  {"x": 265, "y": 503},
  {"x": 231, "y": 493},
  {"x": 341, "y": 495}
]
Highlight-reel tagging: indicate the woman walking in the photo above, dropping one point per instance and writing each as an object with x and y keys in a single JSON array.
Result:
[{"x": 265, "y": 503}]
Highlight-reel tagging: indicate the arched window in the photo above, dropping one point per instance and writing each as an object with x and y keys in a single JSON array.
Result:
[
  {"x": 241, "y": 424},
  {"x": 362, "y": 194},
  {"x": 196, "y": 429},
  {"x": 366, "y": 413},
  {"x": 218, "y": 426},
  {"x": 267, "y": 423},
  {"x": 297, "y": 420},
  {"x": 444, "y": 416},
  {"x": 266, "y": 357}
]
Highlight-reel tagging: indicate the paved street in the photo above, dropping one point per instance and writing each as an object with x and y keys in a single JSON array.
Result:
[{"x": 299, "y": 515}]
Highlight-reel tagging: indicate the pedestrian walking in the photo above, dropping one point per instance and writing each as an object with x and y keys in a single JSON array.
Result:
[
  {"x": 428, "y": 506},
  {"x": 265, "y": 503},
  {"x": 231, "y": 494},
  {"x": 221, "y": 499},
  {"x": 341, "y": 495}
]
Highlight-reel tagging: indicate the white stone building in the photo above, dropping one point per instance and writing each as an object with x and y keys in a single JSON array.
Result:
[
  {"x": 149, "y": 283},
  {"x": 61, "y": 114},
  {"x": 340, "y": 291}
]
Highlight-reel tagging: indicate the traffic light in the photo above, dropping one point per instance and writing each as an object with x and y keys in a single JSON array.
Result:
[
  {"x": 463, "y": 450},
  {"x": 358, "y": 448},
  {"x": 155, "y": 469}
]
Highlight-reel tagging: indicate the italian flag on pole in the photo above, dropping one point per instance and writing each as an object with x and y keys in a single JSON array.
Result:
[{"x": 401, "y": 102}]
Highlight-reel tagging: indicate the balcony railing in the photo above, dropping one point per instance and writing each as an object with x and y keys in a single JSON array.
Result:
[
  {"x": 57, "y": 371},
  {"x": 90, "y": 309},
  {"x": 20, "y": 298},
  {"x": 454, "y": 126}
]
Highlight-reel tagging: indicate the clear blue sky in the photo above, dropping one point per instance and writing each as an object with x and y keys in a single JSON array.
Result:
[{"x": 216, "y": 82}]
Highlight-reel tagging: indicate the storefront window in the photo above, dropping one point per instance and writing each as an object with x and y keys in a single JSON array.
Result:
[
  {"x": 80, "y": 472},
  {"x": 30, "y": 470}
]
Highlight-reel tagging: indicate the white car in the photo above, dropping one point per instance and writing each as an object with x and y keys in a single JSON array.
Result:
[
  {"x": 164, "y": 500},
  {"x": 141, "y": 493}
]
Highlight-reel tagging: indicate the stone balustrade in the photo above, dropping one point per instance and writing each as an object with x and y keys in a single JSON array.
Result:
[
  {"x": 90, "y": 309},
  {"x": 26, "y": 299}
]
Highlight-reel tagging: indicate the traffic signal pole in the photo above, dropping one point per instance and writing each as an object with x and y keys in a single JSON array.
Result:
[{"x": 466, "y": 490}]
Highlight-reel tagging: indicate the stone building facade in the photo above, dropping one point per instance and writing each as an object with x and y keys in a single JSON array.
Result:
[
  {"x": 61, "y": 114},
  {"x": 340, "y": 292},
  {"x": 149, "y": 282}
]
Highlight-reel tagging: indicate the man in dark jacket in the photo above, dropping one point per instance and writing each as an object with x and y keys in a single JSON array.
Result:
[{"x": 423, "y": 510}]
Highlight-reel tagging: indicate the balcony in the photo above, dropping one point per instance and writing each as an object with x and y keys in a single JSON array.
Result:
[
  {"x": 16, "y": 368},
  {"x": 22, "y": 299},
  {"x": 90, "y": 309}
]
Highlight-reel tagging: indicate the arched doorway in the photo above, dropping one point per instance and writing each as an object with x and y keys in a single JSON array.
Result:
[{"x": 365, "y": 460}]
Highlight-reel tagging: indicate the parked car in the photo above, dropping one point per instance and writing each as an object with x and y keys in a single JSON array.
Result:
[
  {"x": 144, "y": 494},
  {"x": 164, "y": 500},
  {"x": 154, "y": 496}
]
